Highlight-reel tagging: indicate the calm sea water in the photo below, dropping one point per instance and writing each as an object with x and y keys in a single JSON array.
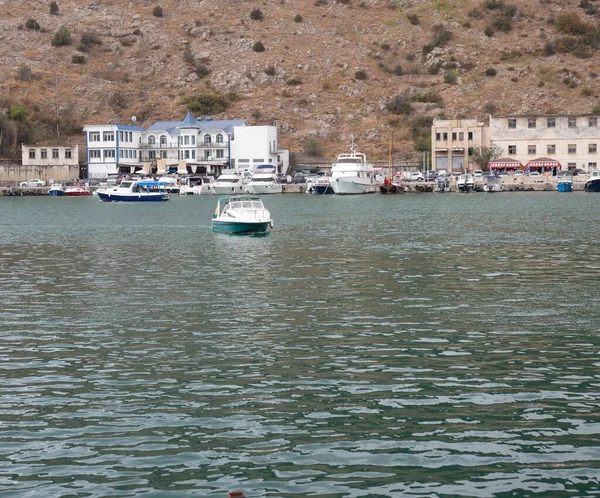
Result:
[{"x": 370, "y": 346}]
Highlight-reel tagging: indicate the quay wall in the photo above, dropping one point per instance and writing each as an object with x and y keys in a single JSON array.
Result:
[{"x": 15, "y": 173}]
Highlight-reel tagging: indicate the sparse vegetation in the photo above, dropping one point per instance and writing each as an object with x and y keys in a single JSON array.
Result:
[
  {"x": 431, "y": 97},
  {"x": 18, "y": 112},
  {"x": 207, "y": 103},
  {"x": 420, "y": 129},
  {"x": 202, "y": 70},
  {"x": 24, "y": 73},
  {"x": 450, "y": 77},
  {"x": 270, "y": 70},
  {"x": 62, "y": 37},
  {"x": 298, "y": 18},
  {"x": 256, "y": 15},
  {"x": 295, "y": 81},
  {"x": 312, "y": 147},
  {"x": 490, "y": 71},
  {"x": 157, "y": 11},
  {"x": 258, "y": 46},
  {"x": 413, "y": 19},
  {"x": 78, "y": 59},
  {"x": 397, "y": 71},
  {"x": 88, "y": 39},
  {"x": 399, "y": 105},
  {"x": 53, "y": 8},
  {"x": 32, "y": 24},
  {"x": 361, "y": 74}
]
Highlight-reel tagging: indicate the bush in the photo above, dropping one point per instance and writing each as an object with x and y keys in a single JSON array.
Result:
[
  {"x": 450, "y": 77},
  {"x": 413, "y": 19},
  {"x": 298, "y": 18},
  {"x": 569, "y": 23},
  {"x": 431, "y": 97},
  {"x": 53, "y": 8},
  {"x": 549, "y": 48},
  {"x": 493, "y": 4},
  {"x": 489, "y": 31},
  {"x": 258, "y": 46},
  {"x": 256, "y": 15},
  {"x": 490, "y": 71},
  {"x": 312, "y": 147},
  {"x": 502, "y": 22},
  {"x": 397, "y": 70},
  {"x": 596, "y": 110},
  {"x": 399, "y": 105},
  {"x": 18, "y": 113},
  {"x": 207, "y": 104},
  {"x": 295, "y": 81},
  {"x": 89, "y": 38},
  {"x": 441, "y": 35},
  {"x": 157, "y": 11},
  {"x": 201, "y": 70},
  {"x": 361, "y": 74},
  {"x": 25, "y": 73},
  {"x": 61, "y": 37},
  {"x": 32, "y": 24},
  {"x": 78, "y": 59},
  {"x": 270, "y": 70}
]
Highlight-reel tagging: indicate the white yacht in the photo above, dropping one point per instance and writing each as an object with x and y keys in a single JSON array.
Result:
[
  {"x": 352, "y": 174},
  {"x": 264, "y": 181},
  {"x": 465, "y": 183},
  {"x": 196, "y": 185},
  {"x": 592, "y": 183},
  {"x": 230, "y": 182}
]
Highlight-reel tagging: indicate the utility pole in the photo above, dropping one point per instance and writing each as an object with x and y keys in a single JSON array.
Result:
[{"x": 56, "y": 93}]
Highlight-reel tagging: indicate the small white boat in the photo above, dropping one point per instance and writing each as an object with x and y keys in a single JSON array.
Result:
[
  {"x": 264, "y": 181},
  {"x": 442, "y": 184},
  {"x": 352, "y": 174},
  {"x": 77, "y": 192},
  {"x": 230, "y": 182},
  {"x": 130, "y": 191},
  {"x": 492, "y": 183},
  {"x": 56, "y": 190},
  {"x": 170, "y": 184},
  {"x": 465, "y": 183},
  {"x": 241, "y": 214},
  {"x": 592, "y": 183},
  {"x": 196, "y": 185}
]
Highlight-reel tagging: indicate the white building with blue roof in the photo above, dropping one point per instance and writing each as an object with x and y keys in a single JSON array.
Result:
[{"x": 196, "y": 145}]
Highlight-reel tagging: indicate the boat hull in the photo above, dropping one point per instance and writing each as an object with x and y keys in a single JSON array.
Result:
[
  {"x": 392, "y": 189},
  {"x": 592, "y": 185},
  {"x": 270, "y": 188},
  {"x": 56, "y": 193},
  {"x": 322, "y": 189},
  {"x": 78, "y": 194},
  {"x": 565, "y": 187},
  {"x": 240, "y": 227},
  {"x": 342, "y": 186},
  {"x": 115, "y": 197}
]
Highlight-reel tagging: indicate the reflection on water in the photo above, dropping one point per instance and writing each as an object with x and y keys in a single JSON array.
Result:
[{"x": 368, "y": 346}]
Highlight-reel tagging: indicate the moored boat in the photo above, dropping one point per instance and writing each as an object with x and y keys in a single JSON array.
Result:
[
  {"x": 264, "y": 181},
  {"x": 564, "y": 184},
  {"x": 442, "y": 184},
  {"x": 465, "y": 183},
  {"x": 77, "y": 192},
  {"x": 241, "y": 214},
  {"x": 352, "y": 174},
  {"x": 592, "y": 183},
  {"x": 492, "y": 183},
  {"x": 230, "y": 182},
  {"x": 135, "y": 191},
  {"x": 196, "y": 185},
  {"x": 56, "y": 190}
]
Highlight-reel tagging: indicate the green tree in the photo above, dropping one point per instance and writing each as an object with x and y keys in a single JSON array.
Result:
[
  {"x": 483, "y": 155},
  {"x": 53, "y": 8},
  {"x": 18, "y": 113},
  {"x": 62, "y": 37}
]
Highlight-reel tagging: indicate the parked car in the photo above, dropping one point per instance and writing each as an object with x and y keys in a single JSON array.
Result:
[
  {"x": 519, "y": 173},
  {"x": 534, "y": 173},
  {"x": 562, "y": 174},
  {"x": 299, "y": 178},
  {"x": 431, "y": 175},
  {"x": 416, "y": 176},
  {"x": 477, "y": 173},
  {"x": 36, "y": 182}
]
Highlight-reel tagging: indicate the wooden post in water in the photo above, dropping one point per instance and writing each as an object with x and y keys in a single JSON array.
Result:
[{"x": 237, "y": 494}]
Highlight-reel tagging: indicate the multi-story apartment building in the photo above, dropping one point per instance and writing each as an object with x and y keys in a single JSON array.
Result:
[
  {"x": 452, "y": 140},
  {"x": 203, "y": 145},
  {"x": 546, "y": 142}
]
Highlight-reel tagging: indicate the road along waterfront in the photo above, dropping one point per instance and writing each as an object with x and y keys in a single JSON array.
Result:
[{"x": 368, "y": 346}]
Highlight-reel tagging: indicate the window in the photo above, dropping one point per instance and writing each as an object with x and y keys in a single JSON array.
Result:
[
  {"x": 461, "y": 136},
  {"x": 531, "y": 149},
  {"x": 193, "y": 139},
  {"x": 258, "y": 160},
  {"x": 108, "y": 136},
  {"x": 94, "y": 136},
  {"x": 31, "y": 153},
  {"x": 54, "y": 153},
  {"x": 454, "y": 136},
  {"x": 163, "y": 154},
  {"x": 512, "y": 123},
  {"x": 220, "y": 154},
  {"x": 438, "y": 137},
  {"x": 151, "y": 154},
  {"x": 67, "y": 153},
  {"x": 531, "y": 123},
  {"x": 593, "y": 121},
  {"x": 572, "y": 122},
  {"x": 572, "y": 149},
  {"x": 186, "y": 154},
  {"x": 219, "y": 138},
  {"x": 94, "y": 154},
  {"x": 163, "y": 141},
  {"x": 512, "y": 150},
  {"x": 592, "y": 148},
  {"x": 151, "y": 140},
  {"x": 121, "y": 136},
  {"x": 470, "y": 135},
  {"x": 193, "y": 154},
  {"x": 571, "y": 165},
  {"x": 552, "y": 149},
  {"x": 186, "y": 140},
  {"x": 445, "y": 136},
  {"x": 121, "y": 153},
  {"x": 551, "y": 123},
  {"x": 109, "y": 154},
  {"x": 207, "y": 139},
  {"x": 43, "y": 153},
  {"x": 591, "y": 165}
]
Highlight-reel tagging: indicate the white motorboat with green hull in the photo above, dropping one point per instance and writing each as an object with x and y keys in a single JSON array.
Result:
[{"x": 241, "y": 214}]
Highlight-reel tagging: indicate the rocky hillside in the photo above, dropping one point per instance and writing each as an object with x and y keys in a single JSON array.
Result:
[{"x": 329, "y": 68}]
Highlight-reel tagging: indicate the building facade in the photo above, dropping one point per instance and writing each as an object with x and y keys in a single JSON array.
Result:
[
  {"x": 46, "y": 162},
  {"x": 551, "y": 142},
  {"x": 252, "y": 146}
]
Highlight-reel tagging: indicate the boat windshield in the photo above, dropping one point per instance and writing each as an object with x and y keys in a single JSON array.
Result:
[
  {"x": 227, "y": 180},
  {"x": 349, "y": 161},
  {"x": 126, "y": 184}
]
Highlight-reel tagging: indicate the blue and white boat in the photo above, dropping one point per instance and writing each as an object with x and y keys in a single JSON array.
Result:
[
  {"x": 565, "y": 184},
  {"x": 135, "y": 191},
  {"x": 493, "y": 183},
  {"x": 592, "y": 183},
  {"x": 56, "y": 190},
  {"x": 241, "y": 214}
]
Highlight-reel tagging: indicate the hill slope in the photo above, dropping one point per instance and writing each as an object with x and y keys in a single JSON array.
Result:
[{"x": 329, "y": 68}]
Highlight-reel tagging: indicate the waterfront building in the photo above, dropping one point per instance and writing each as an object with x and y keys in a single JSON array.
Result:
[
  {"x": 546, "y": 142},
  {"x": 252, "y": 146},
  {"x": 46, "y": 162}
]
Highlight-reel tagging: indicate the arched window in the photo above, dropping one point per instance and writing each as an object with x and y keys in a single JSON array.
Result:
[
  {"x": 219, "y": 138},
  {"x": 151, "y": 140},
  {"x": 207, "y": 139},
  {"x": 163, "y": 140}
]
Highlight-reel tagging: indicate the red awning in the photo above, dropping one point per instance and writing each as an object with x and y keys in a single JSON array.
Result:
[
  {"x": 543, "y": 164},
  {"x": 509, "y": 164}
]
